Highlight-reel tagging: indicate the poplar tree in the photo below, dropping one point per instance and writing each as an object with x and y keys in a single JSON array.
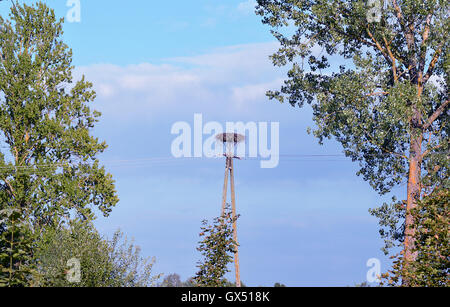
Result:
[
  {"x": 48, "y": 161},
  {"x": 376, "y": 76}
]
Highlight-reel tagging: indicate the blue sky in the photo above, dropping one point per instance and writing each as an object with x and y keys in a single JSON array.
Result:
[{"x": 153, "y": 63}]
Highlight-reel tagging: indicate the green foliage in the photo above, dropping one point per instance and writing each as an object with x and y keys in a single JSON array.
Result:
[
  {"x": 15, "y": 243},
  {"x": 232, "y": 284},
  {"x": 174, "y": 280},
  {"x": 364, "y": 284},
  {"x": 431, "y": 267},
  {"x": 217, "y": 247},
  {"x": 362, "y": 78},
  {"x": 49, "y": 168},
  {"x": 379, "y": 88},
  {"x": 391, "y": 218},
  {"x": 171, "y": 281},
  {"x": 190, "y": 282},
  {"x": 103, "y": 263}
]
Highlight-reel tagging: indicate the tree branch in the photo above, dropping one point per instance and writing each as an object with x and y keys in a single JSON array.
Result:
[
  {"x": 399, "y": 14},
  {"x": 432, "y": 64},
  {"x": 423, "y": 47},
  {"x": 435, "y": 115},
  {"x": 426, "y": 152},
  {"x": 378, "y": 45},
  {"x": 11, "y": 189},
  {"x": 394, "y": 65}
]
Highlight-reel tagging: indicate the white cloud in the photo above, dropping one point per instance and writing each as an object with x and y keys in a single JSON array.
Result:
[
  {"x": 247, "y": 7},
  {"x": 236, "y": 77},
  {"x": 253, "y": 92}
]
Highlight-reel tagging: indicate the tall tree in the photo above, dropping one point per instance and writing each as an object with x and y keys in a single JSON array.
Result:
[
  {"x": 217, "y": 248},
  {"x": 48, "y": 159},
  {"x": 376, "y": 75}
]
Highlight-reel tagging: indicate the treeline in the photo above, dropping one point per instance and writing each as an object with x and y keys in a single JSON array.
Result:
[{"x": 174, "y": 280}]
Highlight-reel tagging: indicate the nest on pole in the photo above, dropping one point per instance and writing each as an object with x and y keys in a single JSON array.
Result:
[
  {"x": 230, "y": 140},
  {"x": 228, "y": 137}
]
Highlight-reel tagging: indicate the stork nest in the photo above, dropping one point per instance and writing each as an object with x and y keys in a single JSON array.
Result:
[{"x": 230, "y": 138}]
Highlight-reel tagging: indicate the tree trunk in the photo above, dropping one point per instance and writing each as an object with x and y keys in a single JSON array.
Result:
[{"x": 413, "y": 192}]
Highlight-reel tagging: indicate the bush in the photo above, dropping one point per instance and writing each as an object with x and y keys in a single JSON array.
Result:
[{"x": 103, "y": 263}]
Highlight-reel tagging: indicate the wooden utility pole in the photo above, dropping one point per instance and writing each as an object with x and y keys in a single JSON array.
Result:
[
  {"x": 233, "y": 209},
  {"x": 225, "y": 186},
  {"x": 231, "y": 139},
  {"x": 229, "y": 169}
]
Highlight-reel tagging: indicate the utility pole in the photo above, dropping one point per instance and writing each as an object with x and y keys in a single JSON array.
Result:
[{"x": 230, "y": 140}]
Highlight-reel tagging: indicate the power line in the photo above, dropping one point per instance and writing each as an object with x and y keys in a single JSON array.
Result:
[{"x": 148, "y": 161}]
